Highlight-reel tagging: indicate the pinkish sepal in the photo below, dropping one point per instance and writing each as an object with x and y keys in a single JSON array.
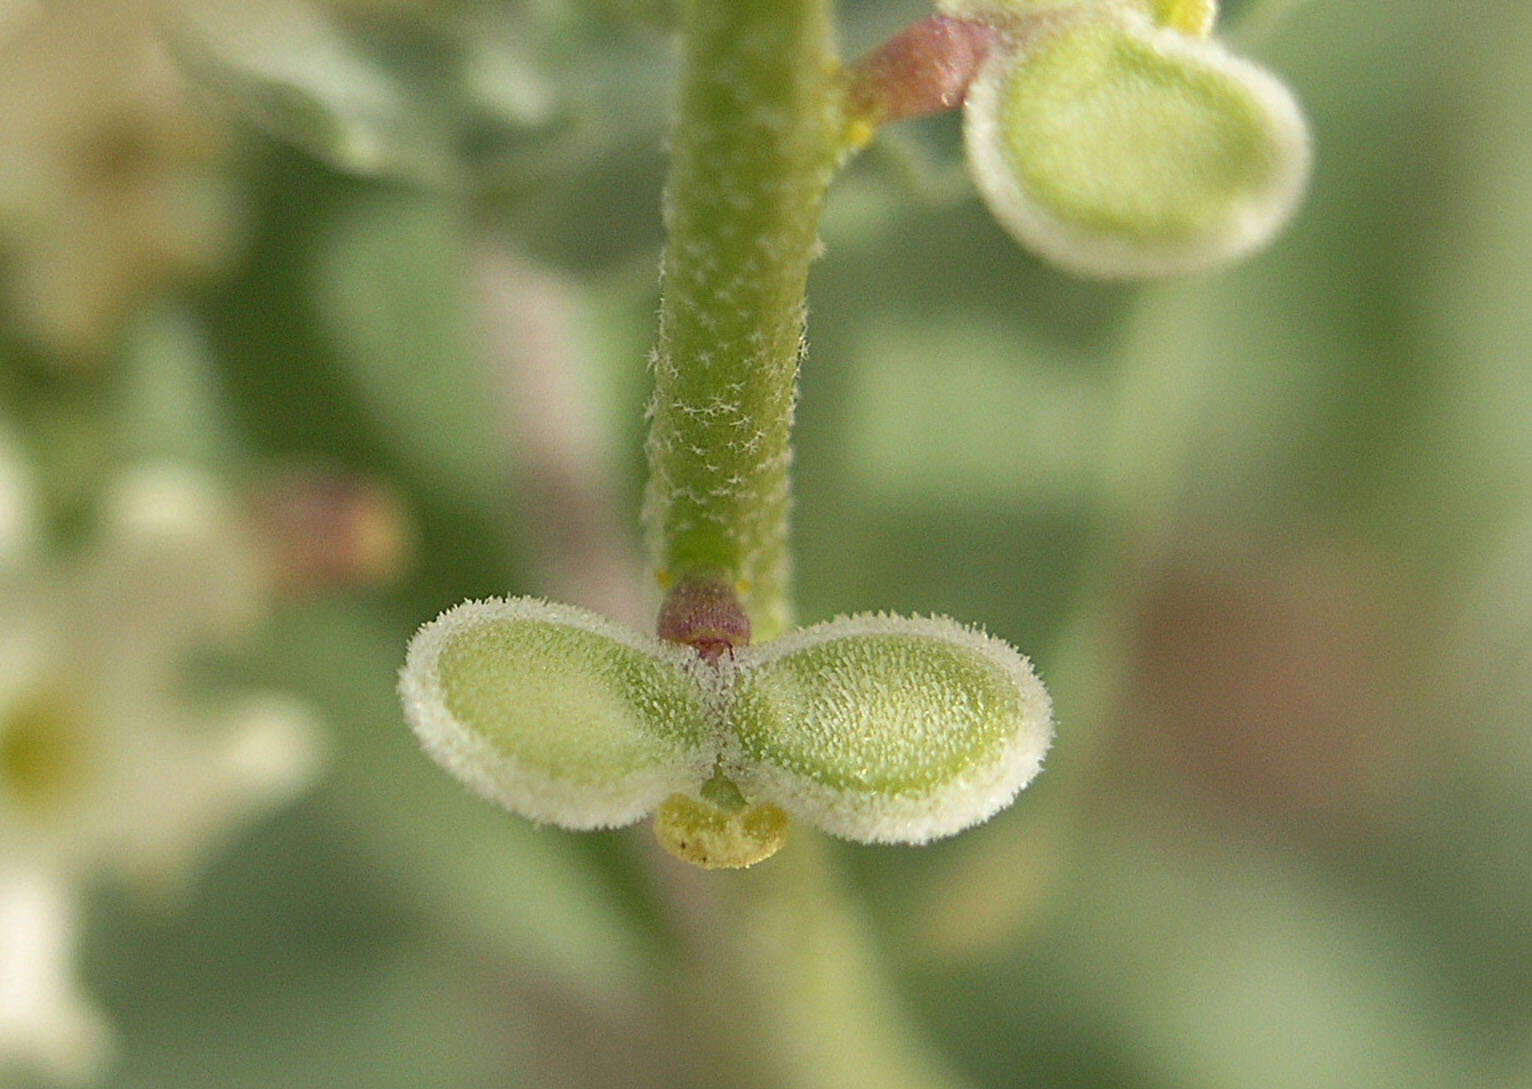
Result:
[
  {"x": 924, "y": 69},
  {"x": 706, "y": 616}
]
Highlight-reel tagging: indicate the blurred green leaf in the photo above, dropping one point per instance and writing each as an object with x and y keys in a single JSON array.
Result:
[
  {"x": 392, "y": 280},
  {"x": 432, "y": 94},
  {"x": 171, "y": 405},
  {"x": 1030, "y": 417}
]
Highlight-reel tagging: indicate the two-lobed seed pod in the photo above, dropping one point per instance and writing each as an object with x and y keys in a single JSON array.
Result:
[{"x": 875, "y": 728}]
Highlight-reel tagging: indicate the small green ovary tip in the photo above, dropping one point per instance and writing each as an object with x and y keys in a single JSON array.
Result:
[{"x": 717, "y": 838}]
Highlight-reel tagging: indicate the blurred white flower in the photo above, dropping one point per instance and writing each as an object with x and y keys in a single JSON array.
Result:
[
  {"x": 110, "y": 182},
  {"x": 110, "y": 759},
  {"x": 44, "y": 1023}
]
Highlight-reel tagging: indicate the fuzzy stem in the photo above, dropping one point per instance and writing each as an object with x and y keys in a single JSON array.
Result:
[{"x": 757, "y": 137}]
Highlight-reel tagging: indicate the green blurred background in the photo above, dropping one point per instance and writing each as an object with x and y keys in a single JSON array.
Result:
[{"x": 1266, "y": 533}]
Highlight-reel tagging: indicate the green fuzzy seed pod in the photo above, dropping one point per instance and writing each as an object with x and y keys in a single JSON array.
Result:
[
  {"x": 556, "y": 713},
  {"x": 875, "y": 728},
  {"x": 1120, "y": 149},
  {"x": 887, "y": 729}
]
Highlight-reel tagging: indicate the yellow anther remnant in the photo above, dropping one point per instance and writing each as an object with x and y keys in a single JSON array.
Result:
[
  {"x": 859, "y": 133},
  {"x": 1194, "y": 17}
]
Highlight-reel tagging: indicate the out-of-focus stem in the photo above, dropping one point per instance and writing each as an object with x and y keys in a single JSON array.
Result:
[
  {"x": 797, "y": 997},
  {"x": 757, "y": 136},
  {"x": 1144, "y": 451},
  {"x": 573, "y": 517}
]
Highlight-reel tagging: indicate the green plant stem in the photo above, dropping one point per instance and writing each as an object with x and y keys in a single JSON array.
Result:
[
  {"x": 756, "y": 139},
  {"x": 797, "y": 996},
  {"x": 793, "y": 996}
]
